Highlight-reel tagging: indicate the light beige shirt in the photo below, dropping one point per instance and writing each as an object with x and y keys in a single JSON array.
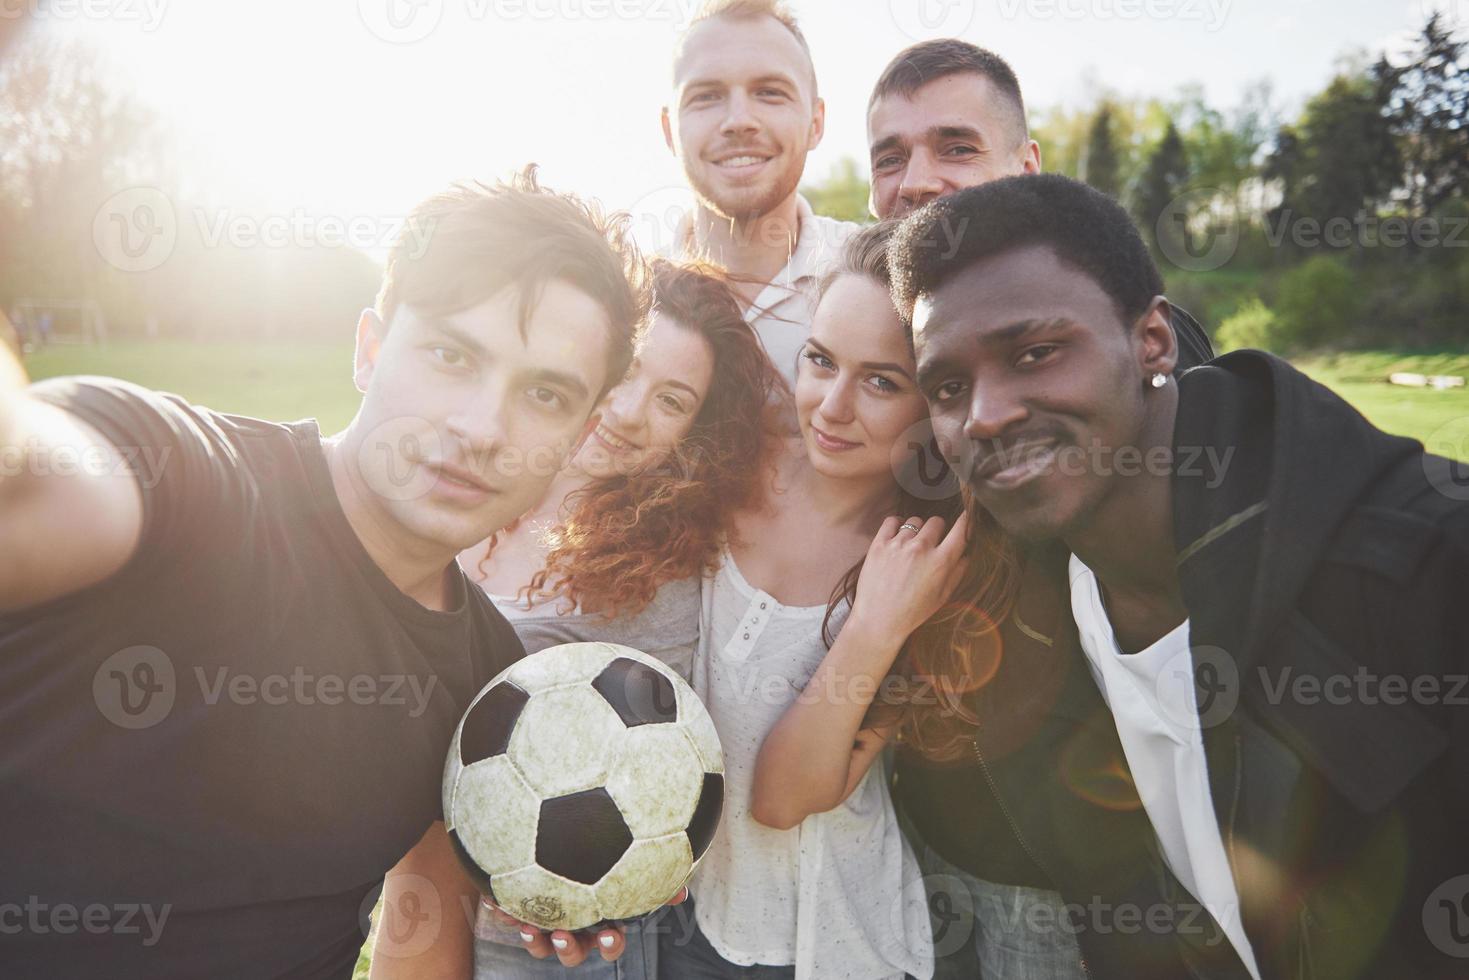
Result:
[{"x": 781, "y": 314}]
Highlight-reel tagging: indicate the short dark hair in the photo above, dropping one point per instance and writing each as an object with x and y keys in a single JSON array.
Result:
[
  {"x": 917, "y": 65},
  {"x": 465, "y": 244},
  {"x": 1087, "y": 230}
]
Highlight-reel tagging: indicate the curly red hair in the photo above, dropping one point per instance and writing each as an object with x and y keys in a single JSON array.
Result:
[{"x": 629, "y": 534}]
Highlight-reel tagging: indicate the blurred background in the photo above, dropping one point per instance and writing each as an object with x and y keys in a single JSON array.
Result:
[{"x": 198, "y": 194}]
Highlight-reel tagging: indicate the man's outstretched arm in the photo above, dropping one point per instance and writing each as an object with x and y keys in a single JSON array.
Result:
[{"x": 71, "y": 512}]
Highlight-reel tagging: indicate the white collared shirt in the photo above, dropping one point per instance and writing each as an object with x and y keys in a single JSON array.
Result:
[
  {"x": 781, "y": 314},
  {"x": 1151, "y": 695}
]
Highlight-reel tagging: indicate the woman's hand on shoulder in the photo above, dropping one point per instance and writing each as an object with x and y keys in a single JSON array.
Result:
[{"x": 911, "y": 570}]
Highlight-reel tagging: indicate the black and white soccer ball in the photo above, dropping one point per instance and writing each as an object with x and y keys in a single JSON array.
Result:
[{"x": 583, "y": 785}]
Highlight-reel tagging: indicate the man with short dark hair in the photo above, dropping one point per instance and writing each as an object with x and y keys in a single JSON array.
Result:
[
  {"x": 233, "y": 652},
  {"x": 945, "y": 115},
  {"x": 744, "y": 115},
  {"x": 1194, "y": 731}
]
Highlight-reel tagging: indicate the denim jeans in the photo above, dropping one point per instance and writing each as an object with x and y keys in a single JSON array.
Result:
[
  {"x": 494, "y": 960},
  {"x": 685, "y": 954},
  {"x": 999, "y": 932}
]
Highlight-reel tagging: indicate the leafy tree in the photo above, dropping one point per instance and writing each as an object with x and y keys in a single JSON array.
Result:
[
  {"x": 842, "y": 195},
  {"x": 1349, "y": 159},
  {"x": 1164, "y": 178},
  {"x": 1102, "y": 164},
  {"x": 1427, "y": 107}
]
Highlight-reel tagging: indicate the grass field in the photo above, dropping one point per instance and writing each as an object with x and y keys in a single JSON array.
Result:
[
  {"x": 287, "y": 381},
  {"x": 280, "y": 381}
]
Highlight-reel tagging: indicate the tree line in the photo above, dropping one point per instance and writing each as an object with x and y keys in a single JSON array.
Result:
[{"x": 1347, "y": 225}]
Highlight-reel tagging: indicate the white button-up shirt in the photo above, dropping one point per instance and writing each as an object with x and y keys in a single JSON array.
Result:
[
  {"x": 1151, "y": 694},
  {"x": 781, "y": 314}
]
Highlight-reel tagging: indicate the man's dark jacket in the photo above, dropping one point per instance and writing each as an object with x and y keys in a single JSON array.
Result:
[{"x": 1325, "y": 568}]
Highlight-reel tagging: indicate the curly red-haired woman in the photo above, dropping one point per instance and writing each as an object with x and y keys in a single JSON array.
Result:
[{"x": 616, "y": 550}]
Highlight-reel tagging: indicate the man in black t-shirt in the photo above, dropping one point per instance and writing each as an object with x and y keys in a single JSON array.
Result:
[{"x": 233, "y": 652}]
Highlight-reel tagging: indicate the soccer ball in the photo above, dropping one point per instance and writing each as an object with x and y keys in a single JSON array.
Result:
[{"x": 583, "y": 785}]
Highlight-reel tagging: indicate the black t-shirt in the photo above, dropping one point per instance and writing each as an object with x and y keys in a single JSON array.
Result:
[{"x": 209, "y": 761}]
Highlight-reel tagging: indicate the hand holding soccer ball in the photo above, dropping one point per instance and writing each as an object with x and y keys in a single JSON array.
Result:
[{"x": 582, "y": 786}]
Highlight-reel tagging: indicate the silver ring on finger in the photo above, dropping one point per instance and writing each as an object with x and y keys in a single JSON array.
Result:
[{"x": 908, "y": 526}]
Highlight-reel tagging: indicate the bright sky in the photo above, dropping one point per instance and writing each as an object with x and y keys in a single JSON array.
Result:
[{"x": 360, "y": 107}]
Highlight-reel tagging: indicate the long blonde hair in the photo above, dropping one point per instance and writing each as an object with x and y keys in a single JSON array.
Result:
[{"x": 958, "y": 650}]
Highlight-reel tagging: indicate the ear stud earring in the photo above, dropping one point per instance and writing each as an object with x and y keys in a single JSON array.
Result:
[{"x": 1159, "y": 380}]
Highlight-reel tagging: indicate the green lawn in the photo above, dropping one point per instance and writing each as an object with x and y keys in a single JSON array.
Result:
[
  {"x": 1439, "y": 418},
  {"x": 287, "y": 381},
  {"x": 280, "y": 381}
]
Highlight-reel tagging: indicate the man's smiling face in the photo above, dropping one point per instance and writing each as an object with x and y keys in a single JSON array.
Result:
[
  {"x": 1031, "y": 376},
  {"x": 744, "y": 114},
  {"x": 955, "y": 132}
]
